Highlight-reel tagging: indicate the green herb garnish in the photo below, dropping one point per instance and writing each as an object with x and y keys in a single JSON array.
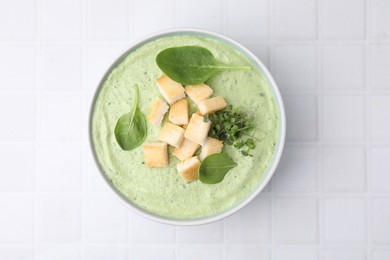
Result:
[
  {"x": 190, "y": 65},
  {"x": 214, "y": 167},
  {"x": 230, "y": 126},
  {"x": 130, "y": 130}
]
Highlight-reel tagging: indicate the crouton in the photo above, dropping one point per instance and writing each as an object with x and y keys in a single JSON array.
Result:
[
  {"x": 171, "y": 90},
  {"x": 197, "y": 129},
  {"x": 186, "y": 150},
  {"x": 156, "y": 154},
  {"x": 171, "y": 134},
  {"x": 211, "y": 146},
  {"x": 188, "y": 169},
  {"x": 198, "y": 92},
  {"x": 157, "y": 111},
  {"x": 178, "y": 114},
  {"x": 211, "y": 105}
]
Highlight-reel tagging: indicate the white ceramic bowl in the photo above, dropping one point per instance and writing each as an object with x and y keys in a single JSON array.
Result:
[{"x": 278, "y": 147}]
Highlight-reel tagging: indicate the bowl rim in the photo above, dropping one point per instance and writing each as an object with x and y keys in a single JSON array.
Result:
[{"x": 278, "y": 149}]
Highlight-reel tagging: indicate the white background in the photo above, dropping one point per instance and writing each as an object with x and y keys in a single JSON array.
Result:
[{"x": 330, "y": 197}]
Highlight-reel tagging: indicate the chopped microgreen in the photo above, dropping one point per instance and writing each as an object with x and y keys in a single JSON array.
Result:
[{"x": 231, "y": 126}]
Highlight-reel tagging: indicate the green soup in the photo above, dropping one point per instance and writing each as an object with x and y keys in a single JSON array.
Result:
[{"x": 161, "y": 191}]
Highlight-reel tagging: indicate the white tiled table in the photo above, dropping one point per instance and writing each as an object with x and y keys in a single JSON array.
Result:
[{"x": 330, "y": 198}]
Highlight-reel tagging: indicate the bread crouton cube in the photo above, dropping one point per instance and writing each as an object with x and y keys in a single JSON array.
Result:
[
  {"x": 171, "y": 134},
  {"x": 157, "y": 111},
  {"x": 211, "y": 105},
  {"x": 211, "y": 146},
  {"x": 156, "y": 154},
  {"x": 197, "y": 129},
  {"x": 178, "y": 114},
  {"x": 198, "y": 92},
  {"x": 188, "y": 169},
  {"x": 186, "y": 149},
  {"x": 171, "y": 90}
]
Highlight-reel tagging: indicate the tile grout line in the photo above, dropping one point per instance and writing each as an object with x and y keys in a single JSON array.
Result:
[
  {"x": 129, "y": 216},
  {"x": 225, "y": 30},
  {"x": 320, "y": 198},
  {"x": 289, "y": 143},
  {"x": 286, "y": 93},
  {"x": 379, "y": 194},
  {"x": 84, "y": 6},
  {"x": 271, "y": 26},
  {"x": 130, "y": 20},
  {"x": 176, "y": 22},
  {"x": 103, "y": 43},
  {"x": 367, "y": 128},
  {"x": 37, "y": 137}
]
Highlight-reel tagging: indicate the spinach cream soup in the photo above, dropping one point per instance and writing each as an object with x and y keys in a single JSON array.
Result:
[{"x": 161, "y": 191}]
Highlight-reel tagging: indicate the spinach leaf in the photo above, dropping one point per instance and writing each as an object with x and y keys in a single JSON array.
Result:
[
  {"x": 130, "y": 130},
  {"x": 190, "y": 65},
  {"x": 214, "y": 168}
]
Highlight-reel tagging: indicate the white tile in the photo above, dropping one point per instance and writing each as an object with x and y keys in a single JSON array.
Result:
[
  {"x": 16, "y": 176},
  {"x": 93, "y": 179},
  {"x": 161, "y": 16},
  {"x": 343, "y": 67},
  {"x": 344, "y": 20},
  {"x": 16, "y": 219},
  {"x": 380, "y": 66},
  {"x": 344, "y": 254},
  {"x": 55, "y": 22},
  {"x": 61, "y": 68},
  {"x": 380, "y": 169},
  {"x": 296, "y": 19},
  {"x": 245, "y": 15},
  {"x": 251, "y": 225},
  {"x": 59, "y": 219},
  {"x": 344, "y": 220},
  {"x": 194, "y": 14},
  {"x": 107, "y": 20},
  {"x": 203, "y": 252},
  {"x": 296, "y": 220},
  {"x": 17, "y": 252},
  {"x": 153, "y": 253},
  {"x": 145, "y": 231},
  {"x": 105, "y": 219},
  {"x": 301, "y": 128},
  {"x": 60, "y": 167},
  {"x": 17, "y": 67},
  {"x": 381, "y": 255},
  {"x": 343, "y": 118},
  {"x": 204, "y": 234},
  {"x": 247, "y": 253},
  {"x": 21, "y": 123},
  {"x": 59, "y": 252},
  {"x": 295, "y": 254},
  {"x": 98, "y": 60},
  {"x": 61, "y": 118},
  {"x": 295, "y": 67},
  {"x": 380, "y": 220},
  {"x": 380, "y": 114},
  {"x": 261, "y": 51},
  {"x": 17, "y": 20},
  {"x": 380, "y": 19},
  {"x": 297, "y": 170},
  {"x": 110, "y": 252},
  {"x": 343, "y": 169}
]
